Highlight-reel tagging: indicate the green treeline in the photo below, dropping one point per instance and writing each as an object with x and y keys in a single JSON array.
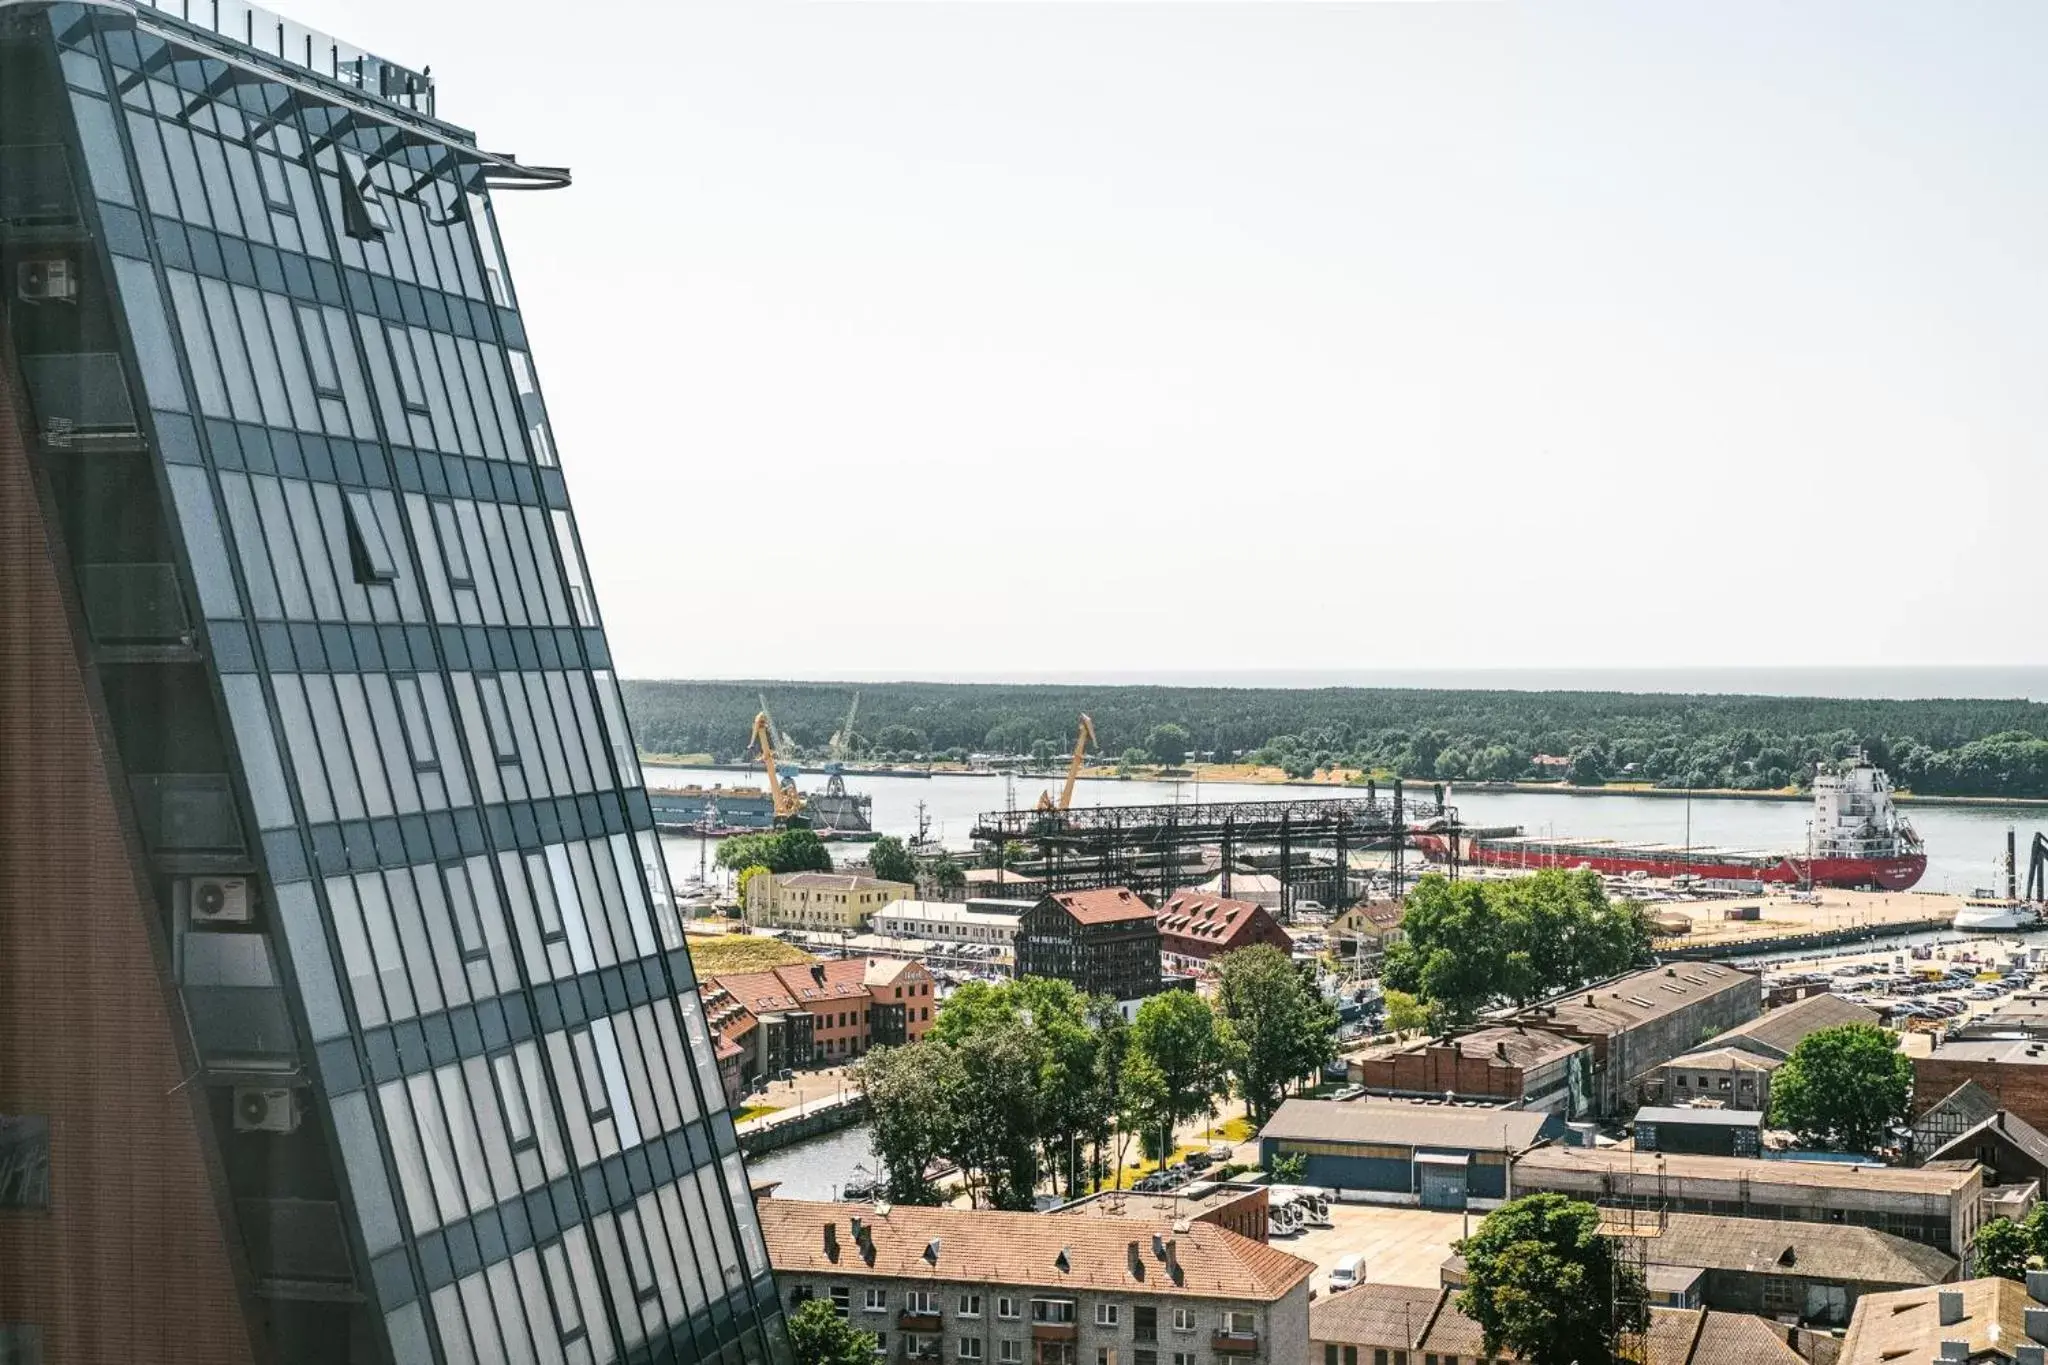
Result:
[{"x": 1953, "y": 747}]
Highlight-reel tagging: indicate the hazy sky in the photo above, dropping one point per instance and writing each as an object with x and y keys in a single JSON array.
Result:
[{"x": 932, "y": 339}]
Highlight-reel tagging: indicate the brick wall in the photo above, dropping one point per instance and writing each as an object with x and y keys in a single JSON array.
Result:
[
  {"x": 129, "y": 1263},
  {"x": 2021, "y": 1088},
  {"x": 1433, "y": 1069}
]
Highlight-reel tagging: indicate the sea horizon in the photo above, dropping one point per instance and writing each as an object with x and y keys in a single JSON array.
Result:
[{"x": 1900, "y": 683}]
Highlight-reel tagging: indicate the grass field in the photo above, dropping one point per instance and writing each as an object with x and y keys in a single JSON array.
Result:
[
  {"x": 754, "y": 1111},
  {"x": 742, "y": 953}
]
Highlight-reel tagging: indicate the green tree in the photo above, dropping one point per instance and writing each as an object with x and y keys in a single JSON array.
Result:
[
  {"x": 1405, "y": 1014},
  {"x": 1275, "y": 1026},
  {"x": 1168, "y": 743},
  {"x": 946, "y": 872},
  {"x": 901, "y": 739},
  {"x": 1543, "y": 1283},
  {"x": 891, "y": 861},
  {"x": 1132, "y": 759},
  {"x": 1288, "y": 1168},
  {"x": 784, "y": 851},
  {"x": 2004, "y": 1248},
  {"x": 1849, "y": 1084},
  {"x": 747, "y": 875},
  {"x": 1589, "y": 766},
  {"x": 819, "y": 1336},
  {"x": 994, "y": 1125},
  {"x": 1143, "y": 1105},
  {"x": 1175, "y": 1032},
  {"x": 1467, "y": 944},
  {"x": 911, "y": 1091},
  {"x": 1453, "y": 951}
]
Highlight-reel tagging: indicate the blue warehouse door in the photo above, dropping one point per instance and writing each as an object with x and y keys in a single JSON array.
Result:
[{"x": 1441, "y": 1180}]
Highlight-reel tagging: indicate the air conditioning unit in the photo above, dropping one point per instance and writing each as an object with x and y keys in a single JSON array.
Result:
[
  {"x": 53, "y": 280},
  {"x": 220, "y": 900},
  {"x": 259, "y": 1109}
]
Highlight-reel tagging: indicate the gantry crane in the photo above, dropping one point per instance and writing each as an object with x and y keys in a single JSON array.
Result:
[
  {"x": 789, "y": 803},
  {"x": 1083, "y": 737}
]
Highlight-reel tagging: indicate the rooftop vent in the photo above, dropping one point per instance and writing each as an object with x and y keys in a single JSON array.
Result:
[
  {"x": 1061, "y": 1262},
  {"x": 2037, "y": 1325},
  {"x": 931, "y": 1251},
  {"x": 2028, "y": 1354},
  {"x": 1954, "y": 1350},
  {"x": 1951, "y": 1304},
  {"x": 2037, "y": 1285}
]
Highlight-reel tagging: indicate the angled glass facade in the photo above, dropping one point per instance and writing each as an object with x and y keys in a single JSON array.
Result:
[{"x": 455, "y": 1085}]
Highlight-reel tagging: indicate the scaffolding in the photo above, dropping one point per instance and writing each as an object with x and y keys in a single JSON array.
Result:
[
  {"x": 1629, "y": 1230},
  {"x": 1156, "y": 848}
]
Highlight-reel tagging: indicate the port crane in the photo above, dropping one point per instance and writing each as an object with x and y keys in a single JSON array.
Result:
[
  {"x": 1083, "y": 737},
  {"x": 841, "y": 746},
  {"x": 789, "y": 803}
]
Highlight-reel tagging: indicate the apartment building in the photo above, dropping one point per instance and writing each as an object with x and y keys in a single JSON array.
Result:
[
  {"x": 822, "y": 902},
  {"x": 1027, "y": 1289},
  {"x": 820, "y": 1013}
]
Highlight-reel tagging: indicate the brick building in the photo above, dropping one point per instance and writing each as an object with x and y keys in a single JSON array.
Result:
[
  {"x": 1636, "y": 1023},
  {"x": 1104, "y": 942},
  {"x": 820, "y": 1013},
  {"x": 2013, "y": 1070},
  {"x": 1527, "y": 1068},
  {"x": 1735, "y": 1068},
  {"x": 1196, "y": 928}
]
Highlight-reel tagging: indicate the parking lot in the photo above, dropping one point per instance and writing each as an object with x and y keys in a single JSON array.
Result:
[{"x": 1400, "y": 1245}]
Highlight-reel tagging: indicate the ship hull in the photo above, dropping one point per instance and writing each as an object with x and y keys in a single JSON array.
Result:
[{"x": 1896, "y": 873}]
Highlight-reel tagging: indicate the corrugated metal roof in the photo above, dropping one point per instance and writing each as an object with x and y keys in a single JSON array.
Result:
[{"x": 1399, "y": 1123}]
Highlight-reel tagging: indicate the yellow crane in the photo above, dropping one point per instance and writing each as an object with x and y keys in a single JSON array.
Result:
[
  {"x": 1084, "y": 737},
  {"x": 788, "y": 803}
]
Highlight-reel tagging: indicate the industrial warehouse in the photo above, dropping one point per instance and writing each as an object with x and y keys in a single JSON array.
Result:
[{"x": 1398, "y": 1152}]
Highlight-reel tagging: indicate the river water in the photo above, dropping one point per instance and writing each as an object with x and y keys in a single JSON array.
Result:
[
  {"x": 1964, "y": 843},
  {"x": 817, "y": 1169}
]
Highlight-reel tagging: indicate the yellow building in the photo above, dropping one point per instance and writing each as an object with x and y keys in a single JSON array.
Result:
[{"x": 826, "y": 902}]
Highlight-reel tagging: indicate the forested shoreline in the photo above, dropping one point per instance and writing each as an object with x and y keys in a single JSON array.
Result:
[{"x": 1961, "y": 747}]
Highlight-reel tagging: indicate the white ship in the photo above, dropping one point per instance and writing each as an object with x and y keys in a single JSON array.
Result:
[{"x": 1989, "y": 916}]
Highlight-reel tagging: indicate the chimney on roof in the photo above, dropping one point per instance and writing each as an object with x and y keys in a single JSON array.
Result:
[
  {"x": 1951, "y": 1303},
  {"x": 832, "y": 1241},
  {"x": 818, "y": 972},
  {"x": 1500, "y": 1049},
  {"x": 2037, "y": 1325},
  {"x": 1137, "y": 1260},
  {"x": 931, "y": 1251},
  {"x": 1173, "y": 1258},
  {"x": 1159, "y": 1245},
  {"x": 1954, "y": 1351},
  {"x": 1589, "y": 999},
  {"x": 1671, "y": 971},
  {"x": 2037, "y": 1285}
]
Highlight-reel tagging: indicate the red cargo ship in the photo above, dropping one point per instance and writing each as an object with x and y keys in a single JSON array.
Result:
[{"x": 1856, "y": 839}]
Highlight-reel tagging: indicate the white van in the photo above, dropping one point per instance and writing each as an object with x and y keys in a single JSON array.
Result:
[{"x": 1348, "y": 1271}]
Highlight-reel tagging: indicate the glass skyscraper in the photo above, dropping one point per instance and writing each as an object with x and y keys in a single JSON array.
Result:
[{"x": 345, "y": 1015}]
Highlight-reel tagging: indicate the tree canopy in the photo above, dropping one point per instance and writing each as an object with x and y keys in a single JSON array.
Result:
[
  {"x": 1848, "y": 1085},
  {"x": 1543, "y": 1283},
  {"x": 819, "y": 1336},
  {"x": 891, "y": 861},
  {"x": 1275, "y": 1026},
  {"x": 1178, "y": 1057},
  {"x": 1467, "y": 944},
  {"x": 782, "y": 851},
  {"x": 1956, "y": 746}
]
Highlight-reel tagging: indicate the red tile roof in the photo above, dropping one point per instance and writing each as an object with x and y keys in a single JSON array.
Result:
[
  {"x": 1027, "y": 1250},
  {"x": 1212, "y": 924},
  {"x": 1106, "y": 906}
]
